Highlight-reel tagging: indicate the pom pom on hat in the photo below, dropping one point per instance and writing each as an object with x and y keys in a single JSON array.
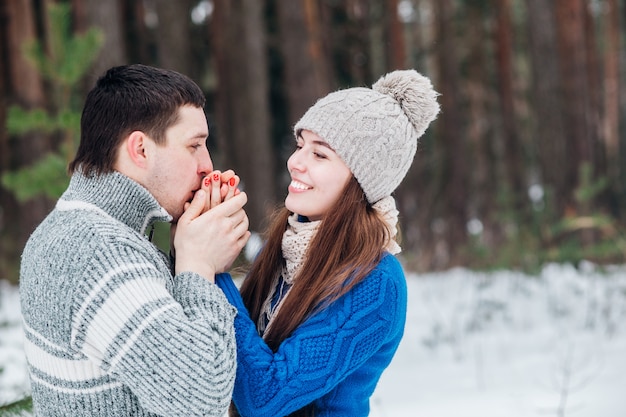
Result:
[
  {"x": 376, "y": 131},
  {"x": 414, "y": 93}
]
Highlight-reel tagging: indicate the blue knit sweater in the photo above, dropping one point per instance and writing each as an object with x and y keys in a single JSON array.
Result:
[
  {"x": 334, "y": 359},
  {"x": 109, "y": 331}
]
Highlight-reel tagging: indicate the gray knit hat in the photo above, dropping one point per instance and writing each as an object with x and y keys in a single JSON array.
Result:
[{"x": 375, "y": 131}]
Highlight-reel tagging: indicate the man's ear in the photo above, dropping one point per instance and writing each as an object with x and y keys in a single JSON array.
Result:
[{"x": 137, "y": 144}]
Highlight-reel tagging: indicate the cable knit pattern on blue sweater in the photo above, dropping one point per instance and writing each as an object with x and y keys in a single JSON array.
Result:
[
  {"x": 109, "y": 331},
  {"x": 334, "y": 359}
]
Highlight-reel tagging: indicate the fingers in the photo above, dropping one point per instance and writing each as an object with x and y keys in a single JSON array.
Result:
[
  {"x": 232, "y": 189},
  {"x": 211, "y": 185},
  {"x": 216, "y": 185},
  {"x": 240, "y": 222},
  {"x": 227, "y": 175},
  {"x": 220, "y": 187},
  {"x": 211, "y": 241},
  {"x": 237, "y": 238},
  {"x": 195, "y": 208},
  {"x": 230, "y": 182},
  {"x": 244, "y": 239},
  {"x": 232, "y": 205}
]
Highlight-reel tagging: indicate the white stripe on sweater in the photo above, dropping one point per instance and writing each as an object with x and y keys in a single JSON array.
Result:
[
  {"x": 73, "y": 370},
  {"x": 119, "y": 307},
  {"x": 69, "y": 205},
  {"x": 97, "y": 289},
  {"x": 151, "y": 215},
  {"x": 32, "y": 332},
  {"x": 104, "y": 387},
  {"x": 131, "y": 340}
]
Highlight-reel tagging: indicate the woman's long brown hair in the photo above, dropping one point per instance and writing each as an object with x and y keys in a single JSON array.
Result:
[{"x": 347, "y": 246}]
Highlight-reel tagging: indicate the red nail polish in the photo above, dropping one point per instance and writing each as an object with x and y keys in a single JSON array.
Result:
[
  {"x": 207, "y": 182},
  {"x": 232, "y": 182},
  {"x": 216, "y": 177}
]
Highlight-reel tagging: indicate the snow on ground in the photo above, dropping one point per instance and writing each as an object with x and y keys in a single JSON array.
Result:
[
  {"x": 13, "y": 375},
  {"x": 476, "y": 345}
]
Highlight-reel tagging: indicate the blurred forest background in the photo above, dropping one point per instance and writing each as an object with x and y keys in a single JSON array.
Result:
[{"x": 525, "y": 164}]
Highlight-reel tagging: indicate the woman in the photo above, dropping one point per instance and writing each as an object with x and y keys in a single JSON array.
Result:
[{"x": 322, "y": 310}]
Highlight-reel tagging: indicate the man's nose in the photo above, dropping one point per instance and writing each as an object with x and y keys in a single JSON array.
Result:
[{"x": 205, "y": 165}]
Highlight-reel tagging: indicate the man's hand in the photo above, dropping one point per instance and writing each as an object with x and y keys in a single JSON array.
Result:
[
  {"x": 219, "y": 187},
  {"x": 207, "y": 242}
]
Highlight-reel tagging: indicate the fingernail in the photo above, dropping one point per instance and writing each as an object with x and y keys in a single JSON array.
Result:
[
  {"x": 232, "y": 182},
  {"x": 216, "y": 177},
  {"x": 207, "y": 182}
]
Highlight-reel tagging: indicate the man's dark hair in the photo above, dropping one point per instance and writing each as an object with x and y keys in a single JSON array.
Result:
[{"x": 125, "y": 99}]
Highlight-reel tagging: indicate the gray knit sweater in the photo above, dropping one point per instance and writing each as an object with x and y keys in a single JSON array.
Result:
[{"x": 109, "y": 330}]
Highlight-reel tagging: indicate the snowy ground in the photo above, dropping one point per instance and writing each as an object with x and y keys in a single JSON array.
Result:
[{"x": 476, "y": 345}]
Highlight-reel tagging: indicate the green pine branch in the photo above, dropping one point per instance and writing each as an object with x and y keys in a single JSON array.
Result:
[
  {"x": 63, "y": 62},
  {"x": 23, "y": 407}
]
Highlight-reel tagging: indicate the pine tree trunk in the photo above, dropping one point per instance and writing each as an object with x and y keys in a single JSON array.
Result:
[
  {"x": 454, "y": 151},
  {"x": 6, "y": 253},
  {"x": 24, "y": 87},
  {"x": 173, "y": 35},
  {"x": 551, "y": 142},
  {"x": 243, "y": 102},
  {"x": 358, "y": 42},
  {"x": 483, "y": 181},
  {"x": 396, "y": 54},
  {"x": 136, "y": 34},
  {"x": 595, "y": 91},
  {"x": 307, "y": 78},
  {"x": 108, "y": 17},
  {"x": 610, "y": 120},
  {"x": 610, "y": 123},
  {"x": 570, "y": 31},
  {"x": 512, "y": 148}
]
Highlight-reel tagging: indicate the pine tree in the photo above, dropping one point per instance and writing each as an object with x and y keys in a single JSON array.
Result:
[
  {"x": 63, "y": 63},
  {"x": 22, "y": 407}
]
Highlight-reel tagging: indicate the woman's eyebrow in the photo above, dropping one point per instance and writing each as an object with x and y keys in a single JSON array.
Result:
[
  {"x": 321, "y": 143},
  {"x": 316, "y": 142}
]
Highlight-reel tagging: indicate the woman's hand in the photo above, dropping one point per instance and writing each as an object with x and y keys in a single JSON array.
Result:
[
  {"x": 219, "y": 187},
  {"x": 208, "y": 241}
]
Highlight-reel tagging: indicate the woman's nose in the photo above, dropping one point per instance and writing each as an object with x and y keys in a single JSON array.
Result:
[{"x": 295, "y": 162}]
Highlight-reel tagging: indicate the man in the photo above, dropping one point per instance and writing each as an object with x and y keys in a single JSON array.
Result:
[{"x": 110, "y": 330}]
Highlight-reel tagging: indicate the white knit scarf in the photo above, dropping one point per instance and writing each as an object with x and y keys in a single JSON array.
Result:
[
  {"x": 295, "y": 242},
  {"x": 386, "y": 207}
]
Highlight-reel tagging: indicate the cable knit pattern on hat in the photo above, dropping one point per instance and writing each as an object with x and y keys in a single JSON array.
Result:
[{"x": 376, "y": 131}]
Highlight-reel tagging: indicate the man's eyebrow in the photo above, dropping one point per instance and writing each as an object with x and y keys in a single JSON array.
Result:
[{"x": 199, "y": 135}]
